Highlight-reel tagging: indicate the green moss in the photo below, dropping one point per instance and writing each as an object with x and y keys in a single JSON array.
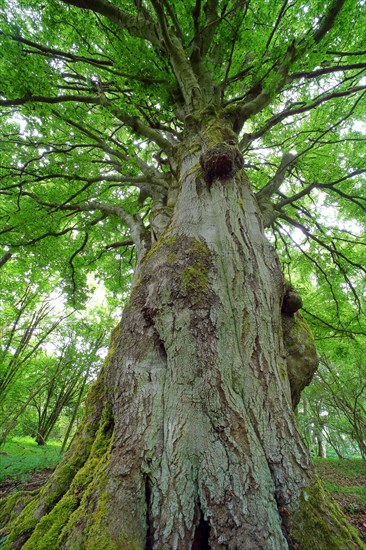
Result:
[
  {"x": 241, "y": 204},
  {"x": 164, "y": 240},
  {"x": 282, "y": 369},
  {"x": 217, "y": 131},
  {"x": 43, "y": 519},
  {"x": 195, "y": 147},
  {"x": 297, "y": 331},
  {"x": 195, "y": 276},
  {"x": 195, "y": 279},
  {"x": 319, "y": 524},
  {"x": 49, "y": 528},
  {"x": 172, "y": 257},
  {"x": 87, "y": 525},
  {"x": 11, "y": 506}
]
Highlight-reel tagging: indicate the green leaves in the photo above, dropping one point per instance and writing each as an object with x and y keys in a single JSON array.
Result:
[{"x": 292, "y": 73}]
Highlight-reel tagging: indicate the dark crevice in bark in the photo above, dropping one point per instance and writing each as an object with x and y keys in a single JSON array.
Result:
[
  {"x": 149, "y": 316},
  {"x": 285, "y": 522},
  {"x": 202, "y": 535},
  {"x": 162, "y": 349},
  {"x": 292, "y": 302},
  {"x": 149, "y": 537}
]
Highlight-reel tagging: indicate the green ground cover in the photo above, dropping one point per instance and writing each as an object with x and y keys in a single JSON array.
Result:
[
  {"x": 21, "y": 458},
  {"x": 346, "y": 481}
]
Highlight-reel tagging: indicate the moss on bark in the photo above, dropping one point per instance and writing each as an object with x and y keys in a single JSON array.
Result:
[
  {"x": 43, "y": 518},
  {"x": 319, "y": 524}
]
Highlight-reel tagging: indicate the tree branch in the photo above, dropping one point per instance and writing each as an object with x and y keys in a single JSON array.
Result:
[
  {"x": 135, "y": 26},
  {"x": 332, "y": 250},
  {"x": 335, "y": 329},
  {"x": 77, "y": 251},
  {"x": 182, "y": 68},
  {"x": 51, "y": 100},
  {"x": 326, "y": 70},
  {"x": 5, "y": 258},
  {"x": 328, "y": 20},
  {"x": 245, "y": 109},
  {"x": 309, "y": 188},
  {"x": 59, "y": 53},
  {"x": 119, "y": 244},
  {"x": 139, "y": 233},
  {"x": 275, "y": 183},
  {"x": 276, "y": 119}
]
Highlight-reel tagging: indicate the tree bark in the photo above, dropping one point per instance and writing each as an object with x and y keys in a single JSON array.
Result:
[{"x": 206, "y": 451}]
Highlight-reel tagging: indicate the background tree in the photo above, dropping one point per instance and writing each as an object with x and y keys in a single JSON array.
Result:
[
  {"x": 174, "y": 135},
  {"x": 336, "y": 400},
  {"x": 76, "y": 363}
]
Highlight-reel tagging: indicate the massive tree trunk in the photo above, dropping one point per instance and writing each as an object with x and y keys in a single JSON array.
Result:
[{"x": 190, "y": 440}]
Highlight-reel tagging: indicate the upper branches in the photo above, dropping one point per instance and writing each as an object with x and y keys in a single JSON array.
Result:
[
  {"x": 295, "y": 109},
  {"x": 134, "y": 123},
  {"x": 139, "y": 234},
  {"x": 264, "y": 90}
]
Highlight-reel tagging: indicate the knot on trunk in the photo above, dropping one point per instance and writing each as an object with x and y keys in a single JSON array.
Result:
[
  {"x": 221, "y": 161},
  {"x": 292, "y": 302}
]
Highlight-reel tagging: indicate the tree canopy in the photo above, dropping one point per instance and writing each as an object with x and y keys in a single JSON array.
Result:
[{"x": 94, "y": 102}]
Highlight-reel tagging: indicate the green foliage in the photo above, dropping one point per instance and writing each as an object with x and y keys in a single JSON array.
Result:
[
  {"x": 48, "y": 354},
  {"x": 117, "y": 94}
]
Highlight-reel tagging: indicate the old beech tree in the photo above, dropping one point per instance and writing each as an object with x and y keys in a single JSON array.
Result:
[{"x": 192, "y": 136}]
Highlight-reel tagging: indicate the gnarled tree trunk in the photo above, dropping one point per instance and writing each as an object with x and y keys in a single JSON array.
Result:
[{"x": 205, "y": 451}]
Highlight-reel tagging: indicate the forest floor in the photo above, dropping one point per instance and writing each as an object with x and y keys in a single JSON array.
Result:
[
  {"x": 26, "y": 466},
  {"x": 346, "y": 481}
]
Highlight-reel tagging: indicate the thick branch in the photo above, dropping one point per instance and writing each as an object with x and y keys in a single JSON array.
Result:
[
  {"x": 203, "y": 38},
  {"x": 135, "y": 26},
  {"x": 134, "y": 123},
  {"x": 140, "y": 128},
  {"x": 5, "y": 258},
  {"x": 244, "y": 109},
  {"x": 328, "y": 20},
  {"x": 275, "y": 183},
  {"x": 346, "y": 54},
  {"x": 182, "y": 68},
  {"x": 119, "y": 244},
  {"x": 326, "y": 70}
]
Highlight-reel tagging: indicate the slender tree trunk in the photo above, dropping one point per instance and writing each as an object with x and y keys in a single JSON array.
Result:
[
  {"x": 10, "y": 423},
  {"x": 74, "y": 412},
  {"x": 322, "y": 450},
  {"x": 206, "y": 452}
]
